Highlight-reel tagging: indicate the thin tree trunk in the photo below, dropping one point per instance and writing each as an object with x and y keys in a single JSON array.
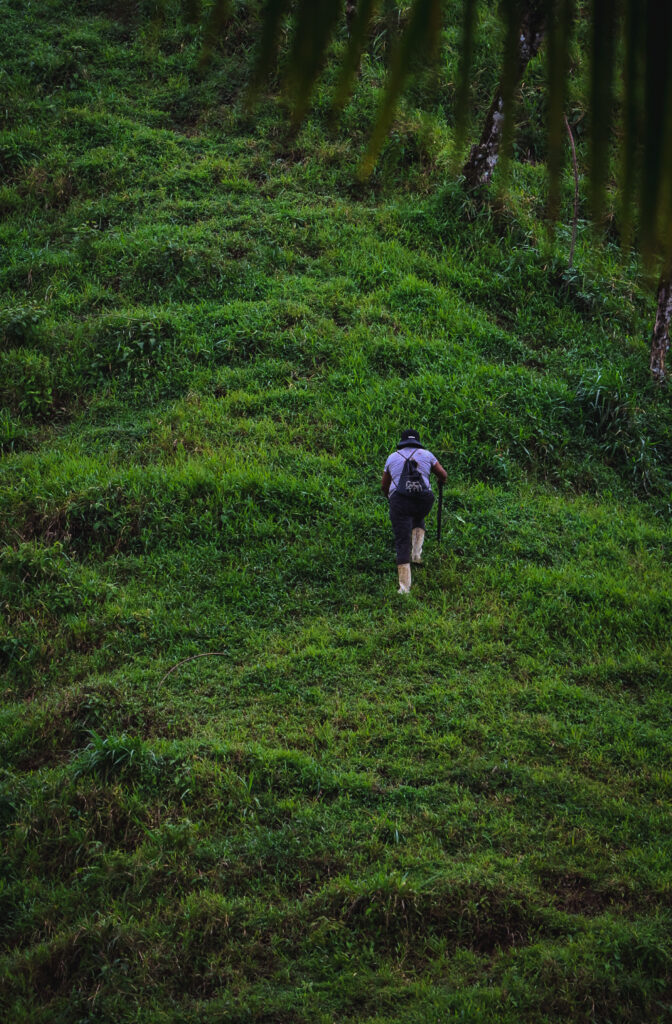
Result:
[
  {"x": 576, "y": 191},
  {"x": 483, "y": 156},
  {"x": 660, "y": 341}
]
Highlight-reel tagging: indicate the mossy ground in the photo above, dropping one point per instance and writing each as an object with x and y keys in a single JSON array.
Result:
[{"x": 454, "y": 806}]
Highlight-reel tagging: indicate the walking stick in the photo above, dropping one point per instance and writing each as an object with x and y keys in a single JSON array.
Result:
[{"x": 438, "y": 523}]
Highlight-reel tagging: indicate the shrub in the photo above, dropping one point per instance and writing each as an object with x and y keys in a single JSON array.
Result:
[
  {"x": 13, "y": 436},
  {"x": 131, "y": 347},
  {"x": 109, "y": 757},
  {"x": 20, "y": 325},
  {"x": 27, "y": 382},
  {"x": 18, "y": 149},
  {"x": 609, "y": 417}
]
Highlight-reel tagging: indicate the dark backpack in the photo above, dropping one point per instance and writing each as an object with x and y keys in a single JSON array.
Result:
[{"x": 411, "y": 482}]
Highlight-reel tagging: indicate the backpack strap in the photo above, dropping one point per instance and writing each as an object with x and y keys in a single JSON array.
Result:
[{"x": 406, "y": 459}]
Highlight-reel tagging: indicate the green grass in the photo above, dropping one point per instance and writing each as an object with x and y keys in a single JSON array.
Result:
[{"x": 453, "y": 806}]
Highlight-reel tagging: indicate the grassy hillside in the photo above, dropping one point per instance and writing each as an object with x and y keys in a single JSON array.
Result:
[{"x": 365, "y": 808}]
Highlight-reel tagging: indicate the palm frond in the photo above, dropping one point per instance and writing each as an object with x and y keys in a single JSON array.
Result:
[
  {"x": 603, "y": 41},
  {"x": 512, "y": 14},
  {"x": 366, "y": 10},
  {"x": 559, "y": 21},
  {"x": 464, "y": 72},
  {"x": 633, "y": 33},
  {"x": 630, "y": 42},
  {"x": 217, "y": 19},
  {"x": 273, "y": 14},
  {"x": 655, "y": 197},
  {"x": 314, "y": 25},
  {"x": 420, "y": 38}
]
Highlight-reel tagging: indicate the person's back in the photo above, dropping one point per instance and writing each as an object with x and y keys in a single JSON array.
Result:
[{"x": 407, "y": 486}]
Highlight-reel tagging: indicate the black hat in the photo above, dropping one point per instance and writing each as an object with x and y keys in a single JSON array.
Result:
[{"x": 410, "y": 439}]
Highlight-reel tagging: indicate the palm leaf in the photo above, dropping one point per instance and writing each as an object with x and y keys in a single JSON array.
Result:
[
  {"x": 655, "y": 201},
  {"x": 559, "y": 22},
  {"x": 633, "y": 32},
  {"x": 512, "y": 13},
  {"x": 464, "y": 72},
  {"x": 642, "y": 57},
  {"x": 217, "y": 19},
  {"x": 420, "y": 38},
  {"x": 315, "y": 23},
  {"x": 604, "y": 24},
  {"x": 274, "y": 12},
  {"x": 360, "y": 28}
]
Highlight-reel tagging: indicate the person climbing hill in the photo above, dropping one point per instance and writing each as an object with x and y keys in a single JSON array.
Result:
[{"x": 406, "y": 484}]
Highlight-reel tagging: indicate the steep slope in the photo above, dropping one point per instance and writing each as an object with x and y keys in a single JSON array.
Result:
[{"x": 454, "y": 806}]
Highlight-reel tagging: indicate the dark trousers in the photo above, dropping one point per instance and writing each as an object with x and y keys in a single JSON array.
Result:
[{"x": 406, "y": 515}]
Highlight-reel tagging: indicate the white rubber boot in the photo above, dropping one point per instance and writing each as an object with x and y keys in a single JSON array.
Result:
[
  {"x": 418, "y": 537},
  {"x": 404, "y": 578}
]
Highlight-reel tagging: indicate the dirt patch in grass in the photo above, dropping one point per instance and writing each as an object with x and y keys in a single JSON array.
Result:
[
  {"x": 397, "y": 917},
  {"x": 574, "y": 893}
]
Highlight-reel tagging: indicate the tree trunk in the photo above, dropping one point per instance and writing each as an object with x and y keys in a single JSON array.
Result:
[
  {"x": 576, "y": 193},
  {"x": 660, "y": 341},
  {"x": 483, "y": 156}
]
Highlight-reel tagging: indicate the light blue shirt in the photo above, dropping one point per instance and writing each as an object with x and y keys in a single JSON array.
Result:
[{"x": 397, "y": 460}]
